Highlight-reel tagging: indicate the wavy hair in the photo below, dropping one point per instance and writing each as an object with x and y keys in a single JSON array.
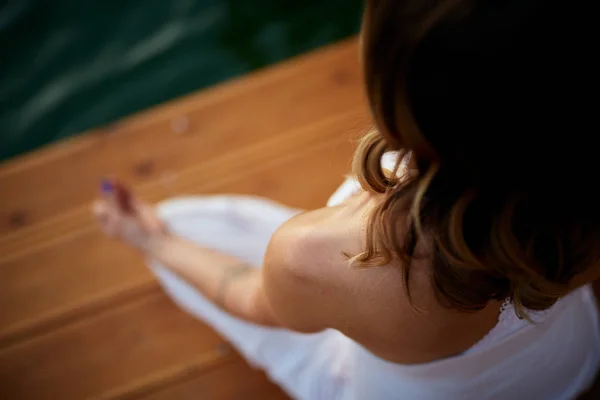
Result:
[{"x": 508, "y": 211}]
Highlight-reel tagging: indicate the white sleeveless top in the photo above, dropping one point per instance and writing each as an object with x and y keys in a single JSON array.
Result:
[{"x": 555, "y": 358}]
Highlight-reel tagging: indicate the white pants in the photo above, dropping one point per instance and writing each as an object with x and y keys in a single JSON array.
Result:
[{"x": 307, "y": 366}]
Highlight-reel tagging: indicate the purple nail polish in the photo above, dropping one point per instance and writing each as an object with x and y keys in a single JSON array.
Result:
[{"x": 106, "y": 186}]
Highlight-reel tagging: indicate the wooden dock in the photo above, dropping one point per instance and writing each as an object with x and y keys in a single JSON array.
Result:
[{"x": 80, "y": 316}]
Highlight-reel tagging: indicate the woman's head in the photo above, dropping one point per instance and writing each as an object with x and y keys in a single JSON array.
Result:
[{"x": 489, "y": 96}]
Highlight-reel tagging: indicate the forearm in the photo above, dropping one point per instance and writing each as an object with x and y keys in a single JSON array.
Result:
[{"x": 225, "y": 280}]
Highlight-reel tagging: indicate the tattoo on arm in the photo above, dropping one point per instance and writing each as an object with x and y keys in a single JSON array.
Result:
[{"x": 230, "y": 274}]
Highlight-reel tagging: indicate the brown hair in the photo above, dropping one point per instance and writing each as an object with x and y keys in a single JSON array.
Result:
[{"x": 502, "y": 190}]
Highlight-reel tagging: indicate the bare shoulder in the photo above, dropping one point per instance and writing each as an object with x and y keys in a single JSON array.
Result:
[
  {"x": 310, "y": 286},
  {"x": 299, "y": 272}
]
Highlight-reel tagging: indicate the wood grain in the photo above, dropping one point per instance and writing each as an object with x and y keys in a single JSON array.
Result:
[
  {"x": 203, "y": 177},
  {"x": 107, "y": 352},
  {"x": 80, "y": 316},
  {"x": 234, "y": 380},
  {"x": 84, "y": 269}
]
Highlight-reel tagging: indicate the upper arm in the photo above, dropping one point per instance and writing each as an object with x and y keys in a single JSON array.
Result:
[{"x": 299, "y": 296}]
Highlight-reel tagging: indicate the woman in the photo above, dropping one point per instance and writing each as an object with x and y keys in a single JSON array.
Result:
[{"x": 459, "y": 269}]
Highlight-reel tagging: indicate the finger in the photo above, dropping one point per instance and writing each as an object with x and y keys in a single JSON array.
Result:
[
  {"x": 124, "y": 198},
  {"x": 105, "y": 216},
  {"x": 117, "y": 195},
  {"x": 107, "y": 189},
  {"x": 100, "y": 209}
]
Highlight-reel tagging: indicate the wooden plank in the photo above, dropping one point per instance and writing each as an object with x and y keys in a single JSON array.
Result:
[
  {"x": 113, "y": 354},
  {"x": 234, "y": 380},
  {"x": 84, "y": 271},
  {"x": 145, "y": 147},
  {"x": 63, "y": 282}
]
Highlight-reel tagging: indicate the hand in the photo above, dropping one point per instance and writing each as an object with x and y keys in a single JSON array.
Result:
[{"x": 122, "y": 216}]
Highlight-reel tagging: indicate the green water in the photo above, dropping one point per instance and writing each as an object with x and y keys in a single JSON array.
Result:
[{"x": 70, "y": 65}]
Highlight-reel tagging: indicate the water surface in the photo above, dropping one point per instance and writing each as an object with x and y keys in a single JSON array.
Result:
[{"x": 70, "y": 65}]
